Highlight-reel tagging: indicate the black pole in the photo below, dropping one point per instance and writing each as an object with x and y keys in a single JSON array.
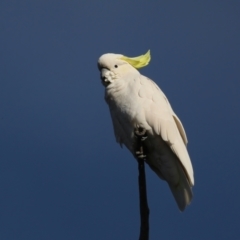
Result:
[
  {"x": 141, "y": 136},
  {"x": 144, "y": 210}
]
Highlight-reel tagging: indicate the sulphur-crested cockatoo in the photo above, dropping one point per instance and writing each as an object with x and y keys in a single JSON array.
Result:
[{"x": 136, "y": 102}]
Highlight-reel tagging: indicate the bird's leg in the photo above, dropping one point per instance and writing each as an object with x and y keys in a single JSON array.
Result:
[
  {"x": 140, "y": 151},
  {"x": 141, "y": 135}
]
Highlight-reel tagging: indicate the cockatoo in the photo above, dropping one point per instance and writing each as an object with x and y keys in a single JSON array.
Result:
[{"x": 136, "y": 102}]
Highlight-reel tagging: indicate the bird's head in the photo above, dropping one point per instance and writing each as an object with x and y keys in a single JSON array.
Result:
[{"x": 116, "y": 66}]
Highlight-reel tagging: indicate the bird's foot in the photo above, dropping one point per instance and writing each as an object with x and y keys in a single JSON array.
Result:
[
  {"x": 140, "y": 155},
  {"x": 140, "y": 133}
]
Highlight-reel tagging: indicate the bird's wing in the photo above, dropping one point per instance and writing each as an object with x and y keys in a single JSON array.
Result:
[
  {"x": 164, "y": 122},
  {"x": 175, "y": 117}
]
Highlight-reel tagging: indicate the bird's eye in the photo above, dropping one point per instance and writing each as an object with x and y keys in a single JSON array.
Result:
[{"x": 116, "y": 66}]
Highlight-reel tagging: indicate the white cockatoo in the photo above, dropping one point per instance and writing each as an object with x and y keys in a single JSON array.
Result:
[{"x": 136, "y": 102}]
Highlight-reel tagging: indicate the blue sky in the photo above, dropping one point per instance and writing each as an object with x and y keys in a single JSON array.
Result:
[{"x": 62, "y": 176}]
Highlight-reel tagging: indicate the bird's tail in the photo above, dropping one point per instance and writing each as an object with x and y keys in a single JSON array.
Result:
[{"x": 182, "y": 192}]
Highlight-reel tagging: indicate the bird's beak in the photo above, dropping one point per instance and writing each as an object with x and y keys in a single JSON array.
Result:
[{"x": 103, "y": 77}]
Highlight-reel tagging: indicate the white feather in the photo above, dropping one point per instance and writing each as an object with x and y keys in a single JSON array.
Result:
[{"x": 136, "y": 101}]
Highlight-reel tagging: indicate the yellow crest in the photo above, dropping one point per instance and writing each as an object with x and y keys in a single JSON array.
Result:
[{"x": 140, "y": 61}]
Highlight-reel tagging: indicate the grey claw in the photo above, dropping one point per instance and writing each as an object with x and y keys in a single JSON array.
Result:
[
  {"x": 143, "y": 138},
  {"x": 140, "y": 155}
]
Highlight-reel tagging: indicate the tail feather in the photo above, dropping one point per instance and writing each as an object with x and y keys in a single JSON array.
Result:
[{"x": 182, "y": 192}]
